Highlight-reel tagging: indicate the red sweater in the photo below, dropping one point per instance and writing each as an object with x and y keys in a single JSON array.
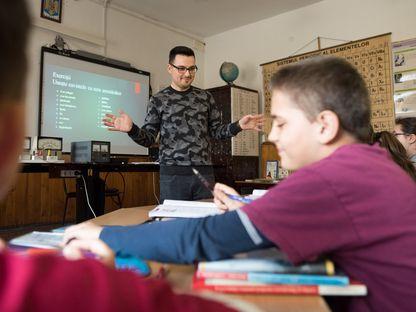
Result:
[{"x": 50, "y": 283}]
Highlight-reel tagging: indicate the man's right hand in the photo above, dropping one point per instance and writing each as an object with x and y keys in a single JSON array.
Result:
[{"x": 122, "y": 123}]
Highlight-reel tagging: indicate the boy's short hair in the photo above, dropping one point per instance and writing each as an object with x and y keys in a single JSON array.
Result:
[
  {"x": 180, "y": 50},
  {"x": 14, "y": 26},
  {"x": 408, "y": 124},
  {"x": 328, "y": 83}
]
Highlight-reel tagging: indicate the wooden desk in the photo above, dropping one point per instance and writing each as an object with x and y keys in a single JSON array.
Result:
[
  {"x": 180, "y": 276},
  {"x": 91, "y": 174}
]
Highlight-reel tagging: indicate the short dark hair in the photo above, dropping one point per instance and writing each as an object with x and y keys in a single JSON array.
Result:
[
  {"x": 180, "y": 50},
  {"x": 408, "y": 124},
  {"x": 14, "y": 26},
  {"x": 328, "y": 83}
]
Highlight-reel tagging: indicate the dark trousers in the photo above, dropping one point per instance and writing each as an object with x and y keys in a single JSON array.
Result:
[{"x": 184, "y": 186}]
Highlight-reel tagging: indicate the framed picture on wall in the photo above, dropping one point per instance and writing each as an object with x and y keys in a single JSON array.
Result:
[
  {"x": 272, "y": 169},
  {"x": 51, "y": 10}
]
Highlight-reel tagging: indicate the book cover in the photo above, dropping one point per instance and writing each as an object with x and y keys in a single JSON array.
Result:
[
  {"x": 276, "y": 264},
  {"x": 45, "y": 240},
  {"x": 244, "y": 287},
  {"x": 184, "y": 209},
  {"x": 278, "y": 278}
]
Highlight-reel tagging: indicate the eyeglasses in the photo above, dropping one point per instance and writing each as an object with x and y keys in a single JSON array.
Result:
[
  {"x": 183, "y": 69},
  {"x": 399, "y": 133}
]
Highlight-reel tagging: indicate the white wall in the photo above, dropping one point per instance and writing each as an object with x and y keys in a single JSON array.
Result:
[
  {"x": 280, "y": 36},
  {"x": 127, "y": 37}
]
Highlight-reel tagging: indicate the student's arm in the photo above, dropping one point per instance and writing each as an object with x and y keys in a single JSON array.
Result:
[
  {"x": 147, "y": 134},
  {"x": 50, "y": 283},
  {"x": 187, "y": 240}
]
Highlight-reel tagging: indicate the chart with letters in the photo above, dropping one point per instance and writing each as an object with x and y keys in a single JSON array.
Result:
[
  {"x": 373, "y": 59},
  {"x": 244, "y": 102}
]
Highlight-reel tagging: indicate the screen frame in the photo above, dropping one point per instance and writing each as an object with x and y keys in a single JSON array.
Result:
[{"x": 74, "y": 55}]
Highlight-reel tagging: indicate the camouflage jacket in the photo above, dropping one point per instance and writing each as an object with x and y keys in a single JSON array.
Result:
[{"x": 185, "y": 120}]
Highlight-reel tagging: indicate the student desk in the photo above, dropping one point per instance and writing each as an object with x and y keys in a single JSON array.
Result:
[{"x": 180, "y": 276}]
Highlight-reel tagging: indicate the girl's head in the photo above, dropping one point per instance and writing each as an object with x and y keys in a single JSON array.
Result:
[{"x": 405, "y": 132}]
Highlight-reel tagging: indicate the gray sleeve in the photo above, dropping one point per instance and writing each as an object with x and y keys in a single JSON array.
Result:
[
  {"x": 147, "y": 134},
  {"x": 216, "y": 129}
]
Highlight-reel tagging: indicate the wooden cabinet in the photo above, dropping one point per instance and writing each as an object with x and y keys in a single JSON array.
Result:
[{"x": 229, "y": 167}]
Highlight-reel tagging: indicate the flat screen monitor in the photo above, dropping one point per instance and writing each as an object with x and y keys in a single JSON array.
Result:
[{"x": 76, "y": 92}]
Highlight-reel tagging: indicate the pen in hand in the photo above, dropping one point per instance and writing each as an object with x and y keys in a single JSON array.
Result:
[{"x": 209, "y": 187}]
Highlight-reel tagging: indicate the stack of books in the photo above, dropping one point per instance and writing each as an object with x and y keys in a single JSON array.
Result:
[{"x": 274, "y": 275}]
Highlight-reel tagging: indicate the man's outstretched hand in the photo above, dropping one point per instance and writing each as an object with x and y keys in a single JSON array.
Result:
[
  {"x": 122, "y": 122},
  {"x": 252, "y": 122}
]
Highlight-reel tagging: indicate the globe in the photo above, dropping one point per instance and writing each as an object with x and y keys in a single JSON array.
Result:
[{"x": 229, "y": 72}]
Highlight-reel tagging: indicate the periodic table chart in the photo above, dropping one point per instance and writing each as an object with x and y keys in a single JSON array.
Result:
[
  {"x": 244, "y": 102},
  {"x": 373, "y": 59}
]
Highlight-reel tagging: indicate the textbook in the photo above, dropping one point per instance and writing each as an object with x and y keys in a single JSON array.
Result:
[
  {"x": 184, "y": 209},
  {"x": 44, "y": 240},
  {"x": 36, "y": 243},
  {"x": 216, "y": 269},
  {"x": 279, "y": 278},
  {"x": 354, "y": 288}
]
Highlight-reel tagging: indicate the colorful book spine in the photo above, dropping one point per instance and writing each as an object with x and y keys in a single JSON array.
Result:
[
  {"x": 273, "y": 278},
  {"x": 224, "y": 286},
  {"x": 267, "y": 265}
]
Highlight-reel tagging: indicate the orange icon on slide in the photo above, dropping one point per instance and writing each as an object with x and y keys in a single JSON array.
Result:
[{"x": 137, "y": 87}]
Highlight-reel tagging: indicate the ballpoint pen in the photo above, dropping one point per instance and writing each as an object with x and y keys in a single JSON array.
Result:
[{"x": 210, "y": 187}]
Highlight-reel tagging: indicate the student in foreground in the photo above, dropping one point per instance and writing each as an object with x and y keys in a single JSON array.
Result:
[
  {"x": 51, "y": 283},
  {"x": 347, "y": 200}
]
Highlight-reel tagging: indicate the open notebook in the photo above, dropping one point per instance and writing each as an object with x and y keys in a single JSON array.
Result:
[
  {"x": 191, "y": 209},
  {"x": 184, "y": 209},
  {"x": 45, "y": 240}
]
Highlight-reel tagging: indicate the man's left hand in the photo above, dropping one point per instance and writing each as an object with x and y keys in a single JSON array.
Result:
[{"x": 252, "y": 122}]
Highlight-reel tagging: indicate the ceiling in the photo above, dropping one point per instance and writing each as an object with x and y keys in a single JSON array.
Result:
[{"x": 204, "y": 18}]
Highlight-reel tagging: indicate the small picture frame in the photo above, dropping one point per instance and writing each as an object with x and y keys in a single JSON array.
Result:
[
  {"x": 51, "y": 10},
  {"x": 272, "y": 169}
]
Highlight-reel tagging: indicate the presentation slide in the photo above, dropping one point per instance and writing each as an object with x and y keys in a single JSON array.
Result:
[{"x": 77, "y": 94}]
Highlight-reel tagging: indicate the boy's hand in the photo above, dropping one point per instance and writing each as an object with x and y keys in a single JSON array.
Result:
[
  {"x": 2, "y": 245},
  {"x": 222, "y": 200},
  {"x": 95, "y": 248},
  {"x": 82, "y": 231}
]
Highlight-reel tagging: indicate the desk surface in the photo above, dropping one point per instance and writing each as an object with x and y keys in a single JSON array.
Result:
[{"x": 180, "y": 276}]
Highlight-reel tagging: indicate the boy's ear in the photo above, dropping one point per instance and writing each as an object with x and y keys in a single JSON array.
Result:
[
  {"x": 412, "y": 138},
  {"x": 328, "y": 126}
]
